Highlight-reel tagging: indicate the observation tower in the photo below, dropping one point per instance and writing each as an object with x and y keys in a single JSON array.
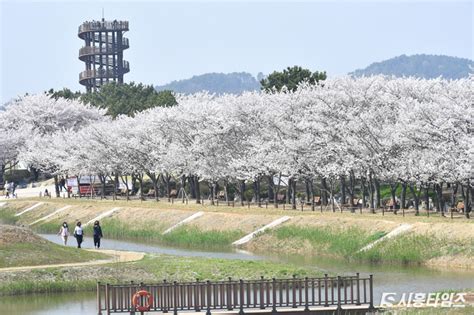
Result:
[{"x": 103, "y": 53}]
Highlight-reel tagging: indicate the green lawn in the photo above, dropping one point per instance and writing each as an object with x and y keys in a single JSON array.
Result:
[{"x": 43, "y": 253}]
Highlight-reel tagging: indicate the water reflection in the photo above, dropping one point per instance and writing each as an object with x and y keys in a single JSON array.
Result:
[{"x": 49, "y": 304}]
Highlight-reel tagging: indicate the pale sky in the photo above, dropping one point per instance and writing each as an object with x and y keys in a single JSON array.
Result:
[{"x": 176, "y": 40}]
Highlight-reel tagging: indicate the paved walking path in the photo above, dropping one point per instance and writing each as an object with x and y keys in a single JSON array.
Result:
[{"x": 117, "y": 256}]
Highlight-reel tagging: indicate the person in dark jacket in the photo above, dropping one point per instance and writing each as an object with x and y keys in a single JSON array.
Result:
[{"x": 97, "y": 234}]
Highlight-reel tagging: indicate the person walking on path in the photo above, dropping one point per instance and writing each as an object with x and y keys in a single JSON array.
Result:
[
  {"x": 64, "y": 232},
  {"x": 97, "y": 234},
  {"x": 78, "y": 234}
]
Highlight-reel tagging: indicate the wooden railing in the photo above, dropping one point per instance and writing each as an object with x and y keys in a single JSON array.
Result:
[{"x": 271, "y": 294}]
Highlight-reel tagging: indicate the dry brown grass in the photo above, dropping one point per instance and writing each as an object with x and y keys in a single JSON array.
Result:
[
  {"x": 15, "y": 234},
  {"x": 161, "y": 215}
]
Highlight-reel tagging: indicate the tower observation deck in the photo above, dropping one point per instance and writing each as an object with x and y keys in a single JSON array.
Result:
[{"x": 103, "y": 53}]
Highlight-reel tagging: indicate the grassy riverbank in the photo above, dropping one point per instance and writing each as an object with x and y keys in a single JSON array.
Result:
[
  {"x": 152, "y": 268},
  {"x": 21, "y": 247},
  {"x": 345, "y": 243},
  {"x": 435, "y": 241}
]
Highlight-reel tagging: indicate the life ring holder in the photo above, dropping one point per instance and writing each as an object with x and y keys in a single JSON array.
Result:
[{"x": 137, "y": 297}]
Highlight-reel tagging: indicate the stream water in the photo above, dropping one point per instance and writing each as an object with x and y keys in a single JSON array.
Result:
[{"x": 387, "y": 278}]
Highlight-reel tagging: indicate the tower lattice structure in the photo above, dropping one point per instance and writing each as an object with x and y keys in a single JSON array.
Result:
[{"x": 102, "y": 53}]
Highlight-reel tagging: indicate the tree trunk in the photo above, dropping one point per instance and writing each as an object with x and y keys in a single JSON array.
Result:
[
  {"x": 192, "y": 187},
  {"x": 416, "y": 199},
  {"x": 351, "y": 189},
  {"x": 308, "y": 184},
  {"x": 331, "y": 195},
  {"x": 56, "y": 186},
  {"x": 140, "y": 185},
  {"x": 403, "y": 195},
  {"x": 364, "y": 191},
  {"x": 183, "y": 186},
  {"x": 156, "y": 186},
  {"x": 213, "y": 192},
  {"x": 427, "y": 197},
  {"x": 288, "y": 191},
  {"x": 343, "y": 190},
  {"x": 242, "y": 193},
  {"x": 438, "y": 188},
  {"x": 256, "y": 188},
  {"x": 324, "y": 191},
  {"x": 198, "y": 189},
  {"x": 468, "y": 203},
  {"x": 371, "y": 193},
  {"x": 270, "y": 187},
  {"x": 293, "y": 194},
  {"x": 125, "y": 182},
  {"x": 2, "y": 175},
  {"x": 134, "y": 183},
  {"x": 466, "y": 192},
  {"x": 226, "y": 189},
  {"x": 454, "y": 192},
  {"x": 167, "y": 179},
  {"x": 277, "y": 191},
  {"x": 378, "y": 203},
  {"x": 102, "y": 182},
  {"x": 393, "y": 191},
  {"x": 116, "y": 184}
]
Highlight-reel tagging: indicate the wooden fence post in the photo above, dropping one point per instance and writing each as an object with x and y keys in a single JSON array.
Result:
[
  {"x": 175, "y": 298},
  {"x": 99, "y": 302},
  {"x": 306, "y": 295},
  {"x": 274, "y": 308},
  {"x": 132, "y": 312},
  {"x": 196, "y": 296},
  {"x": 371, "y": 292},
  {"x": 209, "y": 301},
  {"x": 339, "y": 293},
  {"x": 294, "y": 291},
  {"x": 107, "y": 299},
  {"x": 326, "y": 293},
  {"x": 241, "y": 289},
  {"x": 358, "y": 290},
  {"x": 229, "y": 294}
]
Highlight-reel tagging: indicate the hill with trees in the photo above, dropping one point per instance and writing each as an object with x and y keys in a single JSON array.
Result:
[
  {"x": 420, "y": 66},
  {"x": 219, "y": 83}
]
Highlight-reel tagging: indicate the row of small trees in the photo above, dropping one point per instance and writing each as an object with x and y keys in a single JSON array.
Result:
[{"x": 357, "y": 134}]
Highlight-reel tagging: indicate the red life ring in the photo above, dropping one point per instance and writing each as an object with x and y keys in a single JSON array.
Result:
[{"x": 148, "y": 301}]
